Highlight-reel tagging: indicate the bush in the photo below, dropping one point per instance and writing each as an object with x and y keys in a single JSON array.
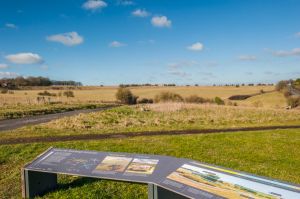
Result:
[
  {"x": 46, "y": 93},
  {"x": 293, "y": 102},
  {"x": 168, "y": 97},
  {"x": 239, "y": 97},
  {"x": 125, "y": 96},
  {"x": 4, "y": 91},
  {"x": 197, "y": 99},
  {"x": 281, "y": 85},
  {"x": 145, "y": 101},
  {"x": 219, "y": 101},
  {"x": 286, "y": 93},
  {"x": 69, "y": 94}
]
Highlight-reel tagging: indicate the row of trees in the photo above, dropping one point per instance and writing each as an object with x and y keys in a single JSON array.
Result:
[{"x": 14, "y": 83}]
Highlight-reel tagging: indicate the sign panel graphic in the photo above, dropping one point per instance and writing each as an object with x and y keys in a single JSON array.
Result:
[{"x": 186, "y": 177}]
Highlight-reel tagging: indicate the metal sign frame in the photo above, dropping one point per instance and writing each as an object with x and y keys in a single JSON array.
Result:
[{"x": 167, "y": 177}]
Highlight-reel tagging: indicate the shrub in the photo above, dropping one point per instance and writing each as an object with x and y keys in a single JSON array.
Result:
[
  {"x": 125, "y": 96},
  {"x": 4, "y": 91},
  {"x": 281, "y": 85},
  {"x": 168, "y": 97},
  {"x": 46, "y": 93},
  {"x": 219, "y": 101},
  {"x": 11, "y": 92},
  {"x": 239, "y": 97},
  {"x": 286, "y": 93},
  {"x": 69, "y": 94},
  {"x": 145, "y": 101},
  {"x": 197, "y": 99},
  {"x": 293, "y": 102}
]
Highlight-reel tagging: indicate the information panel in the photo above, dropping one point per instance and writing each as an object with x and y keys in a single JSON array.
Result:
[{"x": 182, "y": 176}]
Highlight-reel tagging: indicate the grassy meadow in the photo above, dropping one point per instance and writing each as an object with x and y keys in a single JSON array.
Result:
[
  {"x": 159, "y": 117},
  {"x": 100, "y": 94},
  {"x": 25, "y": 102},
  {"x": 269, "y": 153}
]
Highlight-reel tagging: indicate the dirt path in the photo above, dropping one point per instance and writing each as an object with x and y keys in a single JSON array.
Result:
[
  {"x": 135, "y": 134},
  {"x": 11, "y": 124}
]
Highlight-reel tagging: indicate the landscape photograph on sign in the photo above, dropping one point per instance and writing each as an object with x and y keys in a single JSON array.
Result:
[
  {"x": 225, "y": 185},
  {"x": 142, "y": 166},
  {"x": 113, "y": 163}
]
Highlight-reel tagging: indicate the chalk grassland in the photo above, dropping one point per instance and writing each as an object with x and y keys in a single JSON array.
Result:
[
  {"x": 99, "y": 94},
  {"x": 157, "y": 117},
  {"x": 268, "y": 153},
  {"x": 25, "y": 102}
]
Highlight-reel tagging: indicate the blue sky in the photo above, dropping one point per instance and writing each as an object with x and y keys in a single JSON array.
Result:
[{"x": 156, "y": 41}]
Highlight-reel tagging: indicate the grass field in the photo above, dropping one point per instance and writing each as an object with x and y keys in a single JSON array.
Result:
[
  {"x": 99, "y": 94},
  {"x": 269, "y": 153},
  {"x": 169, "y": 116}
]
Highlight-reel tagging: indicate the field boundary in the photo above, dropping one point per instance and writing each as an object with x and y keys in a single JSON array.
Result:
[{"x": 26, "y": 140}]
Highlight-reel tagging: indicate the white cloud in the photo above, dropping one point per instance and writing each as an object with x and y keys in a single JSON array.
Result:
[
  {"x": 24, "y": 58},
  {"x": 284, "y": 53},
  {"x": 3, "y": 66},
  {"x": 94, "y": 5},
  {"x": 116, "y": 44},
  {"x": 196, "y": 46},
  {"x": 297, "y": 35},
  {"x": 179, "y": 74},
  {"x": 247, "y": 58},
  {"x": 8, "y": 74},
  {"x": 11, "y": 25},
  {"x": 140, "y": 13},
  {"x": 68, "y": 39},
  {"x": 161, "y": 21},
  {"x": 125, "y": 2}
]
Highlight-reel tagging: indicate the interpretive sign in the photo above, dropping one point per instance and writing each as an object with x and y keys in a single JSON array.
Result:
[{"x": 167, "y": 177}]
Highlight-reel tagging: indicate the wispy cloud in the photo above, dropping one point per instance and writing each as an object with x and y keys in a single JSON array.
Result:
[
  {"x": 68, "y": 39},
  {"x": 207, "y": 74},
  {"x": 126, "y": 3},
  {"x": 116, "y": 44},
  {"x": 11, "y": 25},
  {"x": 3, "y": 66},
  {"x": 24, "y": 58},
  {"x": 247, "y": 58},
  {"x": 94, "y": 5},
  {"x": 196, "y": 46},
  {"x": 161, "y": 21},
  {"x": 297, "y": 35},
  {"x": 149, "y": 41},
  {"x": 140, "y": 13},
  {"x": 286, "y": 53},
  {"x": 8, "y": 75},
  {"x": 176, "y": 65},
  {"x": 179, "y": 74}
]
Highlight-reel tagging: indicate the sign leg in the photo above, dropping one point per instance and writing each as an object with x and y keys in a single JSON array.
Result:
[
  {"x": 156, "y": 192},
  {"x": 36, "y": 183}
]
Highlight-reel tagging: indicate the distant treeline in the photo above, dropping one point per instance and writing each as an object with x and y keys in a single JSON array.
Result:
[
  {"x": 147, "y": 84},
  {"x": 234, "y": 85},
  {"x": 14, "y": 83}
]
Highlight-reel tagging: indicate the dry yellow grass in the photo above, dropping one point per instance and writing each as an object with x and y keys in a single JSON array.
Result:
[{"x": 98, "y": 94}]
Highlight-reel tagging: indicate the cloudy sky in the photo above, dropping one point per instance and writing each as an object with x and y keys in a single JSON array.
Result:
[{"x": 156, "y": 41}]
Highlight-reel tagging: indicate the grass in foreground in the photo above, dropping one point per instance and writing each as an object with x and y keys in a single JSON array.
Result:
[
  {"x": 158, "y": 117},
  {"x": 269, "y": 153}
]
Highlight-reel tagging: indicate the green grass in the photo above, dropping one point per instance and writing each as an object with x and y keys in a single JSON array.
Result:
[
  {"x": 160, "y": 117},
  {"x": 18, "y": 111},
  {"x": 269, "y": 153}
]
